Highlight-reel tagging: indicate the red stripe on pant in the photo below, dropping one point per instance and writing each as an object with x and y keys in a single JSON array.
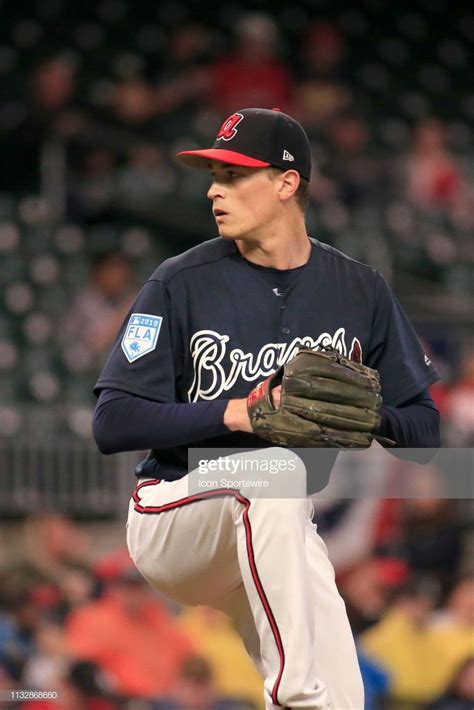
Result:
[{"x": 149, "y": 510}]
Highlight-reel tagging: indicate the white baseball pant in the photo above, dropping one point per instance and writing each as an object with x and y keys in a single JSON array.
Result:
[{"x": 261, "y": 561}]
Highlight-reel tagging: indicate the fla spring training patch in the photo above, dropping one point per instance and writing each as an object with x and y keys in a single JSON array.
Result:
[{"x": 141, "y": 335}]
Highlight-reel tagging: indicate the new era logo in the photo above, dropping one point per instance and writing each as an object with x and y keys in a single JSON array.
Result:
[{"x": 287, "y": 156}]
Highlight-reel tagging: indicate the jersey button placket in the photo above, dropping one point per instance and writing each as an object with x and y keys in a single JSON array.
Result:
[{"x": 282, "y": 328}]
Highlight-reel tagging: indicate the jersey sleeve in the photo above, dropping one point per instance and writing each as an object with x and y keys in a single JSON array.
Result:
[
  {"x": 141, "y": 361},
  {"x": 395, "y": 350}
]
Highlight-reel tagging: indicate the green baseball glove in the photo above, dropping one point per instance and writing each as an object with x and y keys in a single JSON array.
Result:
[{"x": 326, "y": 401}]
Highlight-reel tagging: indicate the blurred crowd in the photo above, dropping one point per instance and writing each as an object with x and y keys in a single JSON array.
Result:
[
  {"x": 92, "y": 630},
  {"x": 393, "y": 174},
  {"x": 77, "y": 619},
  {"x": 121, "y": 132}
]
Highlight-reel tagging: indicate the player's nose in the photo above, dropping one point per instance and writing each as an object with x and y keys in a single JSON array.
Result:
[{"x": 215, "y": 190}]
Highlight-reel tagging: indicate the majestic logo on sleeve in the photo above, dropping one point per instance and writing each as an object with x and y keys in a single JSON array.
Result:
[
  {"x": 141, "y": 335},
  {"x": 217, "y": 368},
  {"x": 228, "y": 129}
]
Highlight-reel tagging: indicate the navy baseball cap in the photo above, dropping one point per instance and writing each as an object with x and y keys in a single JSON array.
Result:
[{"x": 257, "y": 138}]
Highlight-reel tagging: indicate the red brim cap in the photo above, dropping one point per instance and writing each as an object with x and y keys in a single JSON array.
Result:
[{"x": 201, "y": 158}]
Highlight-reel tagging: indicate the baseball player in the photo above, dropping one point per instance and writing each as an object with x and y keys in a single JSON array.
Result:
[{"x": 207, "y": 329}]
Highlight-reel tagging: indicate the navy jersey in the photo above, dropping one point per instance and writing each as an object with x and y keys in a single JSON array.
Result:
[{"x": 210, "y": 325}]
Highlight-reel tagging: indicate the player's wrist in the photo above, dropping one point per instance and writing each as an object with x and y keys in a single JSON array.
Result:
[{"x": 236, "y": 416}]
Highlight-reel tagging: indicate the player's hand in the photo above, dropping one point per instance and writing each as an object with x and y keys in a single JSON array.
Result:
[{"x": 236, "y": 416}]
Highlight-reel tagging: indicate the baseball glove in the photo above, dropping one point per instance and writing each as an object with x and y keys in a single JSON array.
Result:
[{"x": 326, "y": 401}]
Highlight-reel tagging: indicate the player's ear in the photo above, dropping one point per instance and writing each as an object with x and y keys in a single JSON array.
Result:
[{"x": 289, "y": 183}]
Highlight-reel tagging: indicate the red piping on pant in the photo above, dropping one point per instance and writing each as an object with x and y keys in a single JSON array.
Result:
[{"x": 148, "y": 510}]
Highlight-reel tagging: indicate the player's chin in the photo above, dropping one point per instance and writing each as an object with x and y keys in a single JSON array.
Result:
[{"x": 225, "y": 232}]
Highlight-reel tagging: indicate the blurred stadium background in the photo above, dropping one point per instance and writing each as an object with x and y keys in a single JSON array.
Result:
[{"x": 95, "y": 100}]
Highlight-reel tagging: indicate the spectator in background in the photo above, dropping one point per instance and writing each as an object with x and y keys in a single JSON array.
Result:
[
  {"x": 83, "y": 687},
  {"x": 47, "y": 545},
  {"x": 7, "y": 681},
  {"x": 109, "y": 566},
  {"x": 92, "y": 686},
  {"x": 431, "y": 537},
  {"x": 424, "y": 529},
  {"x": 220, "y": 645},
  {"x": 130, "y": 634},
  {"x": 432, "y": 179},
  {"x": 53, "y": 87},
  {"x": 402, "y": 642},
  {"x": 98, "y": 310},
  {"x": 144, "y": 180},
  {"x": 356, "y": 172},
  {"x": 453, "y": 626},
  {"x": 195, "y": 690},
  {"x": 252, "y": 74},
  {"x": 92, "y": 193},
  {"x": 324, "y": 51},
  {"x": 367, "y": 588},
  {"x": 376, "y": 682},
  {"x": 460, "y": 404},
  {"x": 51, "y": 94},
  {"x": 124, "y": 117},
  {"x": 133, "y": 105},
  {"x": 19, "y": 618},
  {"x": 460, "y": 607},
  {"x": 323, "y": 90},
  {"x": 50, "y": 659},
  {"x": 7, "y": 684},
  {"x": 76, "y": 586},
  {"x": 184, "y": 79},
  {"x": 460, "y": 694}
]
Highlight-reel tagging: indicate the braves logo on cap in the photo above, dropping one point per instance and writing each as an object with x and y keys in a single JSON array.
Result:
[{"x": 228, "y": 129}]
